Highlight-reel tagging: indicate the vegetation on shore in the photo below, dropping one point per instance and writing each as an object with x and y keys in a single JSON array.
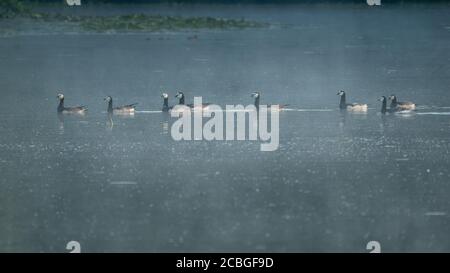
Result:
[
  {"x": 13, "y": 8},
  {"x": 123, "y": 23},
  {"x": 143, "y": 22}
]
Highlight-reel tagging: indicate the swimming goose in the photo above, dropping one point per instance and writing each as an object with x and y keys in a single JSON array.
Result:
[
  {"x": 180, "y": 96},
  {"x": 166, "y": 107},
  {"x": 357, "y": 107},
  {"x": 125, "y": 109},
  {"x": 401, "y": 105},
  {"x": 69, "y": 110},
  {"x": 384, "y": 109},
  {"x": 257, "y": 96}
]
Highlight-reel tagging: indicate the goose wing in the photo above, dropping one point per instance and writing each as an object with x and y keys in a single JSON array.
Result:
[
  {"x": 405, "y": 102},
  {"x": 191, "y": 105},
  {"x": 407, "y": 105},
  {"x": 395, "y": 109},
  {"x": 126, "y": 107},
  {"x": 75, "y": 108},
  {"x": 357, "y": 107},
  {"x": 357, "y": 104},
  {"x": 280, "y": 106}
]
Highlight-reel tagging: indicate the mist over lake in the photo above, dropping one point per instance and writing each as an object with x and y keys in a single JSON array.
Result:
[{"x": 338, "y": 180}]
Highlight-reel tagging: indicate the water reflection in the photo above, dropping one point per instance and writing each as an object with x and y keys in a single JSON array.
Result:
[
  {"x": 110, "y": 122},
  {"x": 61, "y": 122},
  {"x": 342, "y": 119},
  {"x": 382, "y": 122},
  {"x": 62, "y": 116},
  {"x": 165, "y": 127}
]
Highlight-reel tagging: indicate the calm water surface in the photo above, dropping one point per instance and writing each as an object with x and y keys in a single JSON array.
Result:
[{"x": 336, "y": 182}]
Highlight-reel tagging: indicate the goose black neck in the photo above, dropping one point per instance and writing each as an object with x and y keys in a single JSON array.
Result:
[
  {"x": 110, "y": 107},
  {"x": 61, "y": 105},
  {"x": 394, "y": 102},
  {"x": 165, "y": 107},
  {"x": 181, "y": 101},
  {"x": 257, "y": 102},
  {"x": 383, "y": 106},
  {"x": 343, "y": 103}
]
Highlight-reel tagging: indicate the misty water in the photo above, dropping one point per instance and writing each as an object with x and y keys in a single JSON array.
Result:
[{"x": 337, "y": 181}]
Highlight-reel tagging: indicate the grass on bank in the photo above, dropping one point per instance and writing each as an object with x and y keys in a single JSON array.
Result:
[
  {"x": 143, "y": 22},
  {"x": 13, "y": 8},
  {"x": 122, "y": 23}
]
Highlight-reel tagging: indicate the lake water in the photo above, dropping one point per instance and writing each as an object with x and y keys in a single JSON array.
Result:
[{"x": 337, "y": 181}]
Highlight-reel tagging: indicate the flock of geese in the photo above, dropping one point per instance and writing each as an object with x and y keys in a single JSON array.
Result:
[{"x": 395, "y": 106}]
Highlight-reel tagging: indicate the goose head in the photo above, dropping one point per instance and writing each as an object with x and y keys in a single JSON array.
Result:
[
  {"x": 60, "y": 96},
  {"x": 382, "y": 98},
  {"x": 165, "y": 96},
  {"x": 341, "y": 93},
  {"x": 179, "y": 95},
  {"x": 255, "y": 95},
  {"x": 108, "y": 99},
  {"x": 392, "y": 97}
]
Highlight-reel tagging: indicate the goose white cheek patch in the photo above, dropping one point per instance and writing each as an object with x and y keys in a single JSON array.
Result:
[{"x": 189, "y": 125}]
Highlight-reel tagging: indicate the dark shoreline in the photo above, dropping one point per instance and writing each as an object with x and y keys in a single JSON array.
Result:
[{"x": 233, "y": 2}]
